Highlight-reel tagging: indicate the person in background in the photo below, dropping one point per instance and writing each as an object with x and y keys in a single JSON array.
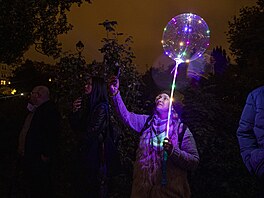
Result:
[
  {"x": 38, "y": 141},
  {"x": 152, "y": 178},
  {"x": 90, "y": 119},
  {"x": 250, "y": 134}
]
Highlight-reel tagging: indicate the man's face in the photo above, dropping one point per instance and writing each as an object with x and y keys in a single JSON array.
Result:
[
  {"x": 162, "y": 102},
  {"x": 88, "y": 87},
  {"x": 34, "y": 95}
]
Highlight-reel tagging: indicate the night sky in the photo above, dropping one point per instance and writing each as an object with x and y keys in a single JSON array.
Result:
[{"x": 144, "y": 20}]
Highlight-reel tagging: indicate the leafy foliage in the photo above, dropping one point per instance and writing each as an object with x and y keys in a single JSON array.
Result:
[
  {"x": 28, "y": 75},
  {"x": 221, "y": 60},
  {"x": 245, "y": 34},
  {"x": 213, "y": 121},
  {"x": 120, "y": 56},
  {"x": 24, "y": 23}
]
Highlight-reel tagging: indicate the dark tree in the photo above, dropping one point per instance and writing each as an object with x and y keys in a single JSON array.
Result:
[
  {"x": 245, "y": 35},
  {"x": 28, "y": 75},
  {"x": 221, "y": 60},
  {"x": 24, "y": 23}
]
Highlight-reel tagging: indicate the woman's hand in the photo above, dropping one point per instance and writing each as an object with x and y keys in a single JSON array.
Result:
[
  {"x": 77, "y": 104},
  {"x": 168, "y": 146},
  {"x": 113, "y": 85}
]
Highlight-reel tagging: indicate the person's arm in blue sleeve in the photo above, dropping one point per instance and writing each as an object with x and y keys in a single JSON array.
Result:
[{"x": 245, "y": 133}]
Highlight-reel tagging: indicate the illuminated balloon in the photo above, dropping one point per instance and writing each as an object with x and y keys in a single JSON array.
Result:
[{"x": 185, "y": 38}]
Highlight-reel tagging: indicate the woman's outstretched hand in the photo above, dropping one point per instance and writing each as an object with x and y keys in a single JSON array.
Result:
[{"x": 113, "y": 84}]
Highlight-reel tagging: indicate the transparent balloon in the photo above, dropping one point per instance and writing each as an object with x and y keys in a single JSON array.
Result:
[{"x": 186, "y": 37}]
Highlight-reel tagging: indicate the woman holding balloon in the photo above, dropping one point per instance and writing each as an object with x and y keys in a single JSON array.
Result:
[{"x": 156, "y": 174}]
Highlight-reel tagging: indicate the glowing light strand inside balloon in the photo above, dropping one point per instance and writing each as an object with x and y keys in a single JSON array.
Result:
[{"x": 177, "y": 62}]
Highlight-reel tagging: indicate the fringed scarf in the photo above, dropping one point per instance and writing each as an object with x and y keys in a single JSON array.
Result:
[{"x": 151, "y": 149}]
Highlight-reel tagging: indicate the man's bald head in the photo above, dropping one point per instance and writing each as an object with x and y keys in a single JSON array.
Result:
[{"x": 39, "y": 95}]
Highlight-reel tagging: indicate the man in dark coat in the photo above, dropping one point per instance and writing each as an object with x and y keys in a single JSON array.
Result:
[{"x": 37, "y": 142}]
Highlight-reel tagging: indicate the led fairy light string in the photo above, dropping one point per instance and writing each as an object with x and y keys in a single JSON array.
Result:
[
  {"x": 177, "y": 62},
  {"x": 165, "y": 154}
]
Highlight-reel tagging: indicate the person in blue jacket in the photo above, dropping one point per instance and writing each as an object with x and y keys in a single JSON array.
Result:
[{"x": 250, "y": 134}]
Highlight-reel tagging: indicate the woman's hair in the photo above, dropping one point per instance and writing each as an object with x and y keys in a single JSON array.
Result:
[{"x": 99, "y": 92}]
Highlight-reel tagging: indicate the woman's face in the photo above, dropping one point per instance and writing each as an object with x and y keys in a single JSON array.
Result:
[
  {"x": 88, "y": 87},
  {"x": 162, "y": 102}
]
